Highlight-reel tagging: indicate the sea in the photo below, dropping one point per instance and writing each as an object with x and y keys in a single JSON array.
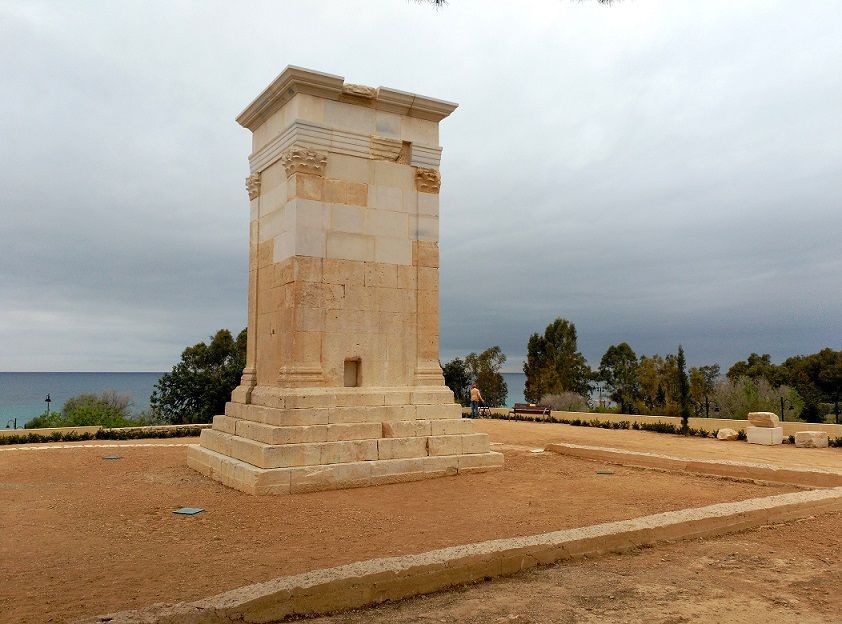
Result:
[{"x": 22, "y": 395}]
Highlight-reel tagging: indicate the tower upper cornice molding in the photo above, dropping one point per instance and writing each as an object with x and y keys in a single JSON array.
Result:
[{"x": 295, "y": 80}]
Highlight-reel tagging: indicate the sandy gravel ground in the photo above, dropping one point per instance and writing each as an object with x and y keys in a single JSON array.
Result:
[
  {"x": 784, "y": 574},
  {"x": 84, "y": 535},
  {"x": 541, "y": 434}
]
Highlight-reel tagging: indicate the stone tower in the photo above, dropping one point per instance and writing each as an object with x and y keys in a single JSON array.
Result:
[{"x": 342, "y": 386}]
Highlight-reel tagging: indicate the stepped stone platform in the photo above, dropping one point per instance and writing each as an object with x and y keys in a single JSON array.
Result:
[{"x": 306, "y": 440}]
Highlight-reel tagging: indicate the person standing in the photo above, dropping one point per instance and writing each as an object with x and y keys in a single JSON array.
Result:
[{"x": 476, "y": 397}]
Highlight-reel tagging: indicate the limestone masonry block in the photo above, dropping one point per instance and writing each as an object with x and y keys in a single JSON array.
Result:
[
  {"x": 768, "y": 436},
  {"x": 354, "y": 431},
  {"x": 474, "y": 443},
  {"x": 346, "y": 246},
  {"x": 438, "y": 396},
  {"x": 439, "y": 411},
  {"x": 381, "y": 275},
  {"x": 727, "y": 434},
  {"x": 444, "y": 465},
  {"x": 330, "y": 477},
  {"x": 345, "y": 272},
  {"x": 350, "y": 168},
  {"x": 480, "y": 463},
  {"x": 803, "y": 439},
  {"x": 406, "y": 428},
  {"x": 453, "y": 426},
  {"x": 401, "y": 448},
  {"x": 444, "y": 445},
  {"x": 397, "y": 470},
  {"x": 348, "y": 451},
  {"x": 225, "y": 424},
  {"x": 763, "y": 419}
]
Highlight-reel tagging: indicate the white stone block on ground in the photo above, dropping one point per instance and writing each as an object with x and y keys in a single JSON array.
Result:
[
  {"x": 727, "y": 434},
  {"x": 767, "y": 436},
  {"x": 763, "y": 419},
  {"x": 811, "y": 439}
]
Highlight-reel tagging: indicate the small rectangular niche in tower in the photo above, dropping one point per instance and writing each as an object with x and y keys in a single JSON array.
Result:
[{"x": 352, "y": 373}]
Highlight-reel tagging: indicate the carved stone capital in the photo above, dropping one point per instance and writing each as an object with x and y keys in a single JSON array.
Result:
[
  {"x": 302, "y": 160},
  {"x": 427, "y": 180},
  {"x": 253, "y": 185}
]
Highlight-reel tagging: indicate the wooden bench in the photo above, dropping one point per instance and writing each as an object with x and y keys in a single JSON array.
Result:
[{"x": 530, "y": 408}]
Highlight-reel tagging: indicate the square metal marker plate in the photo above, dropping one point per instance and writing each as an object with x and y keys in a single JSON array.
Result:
[{"x": 188, "y": 511}]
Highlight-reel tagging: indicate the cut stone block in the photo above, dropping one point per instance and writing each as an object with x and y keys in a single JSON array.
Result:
[
  {"x": 763, "y": 419},
  {"x": 406, "y": 428},
  {"x": 402, "y": 448},
  {"x": 768, "y": 436},
  {"x": 811, "y": 439},
  {"x": 727, "y": 434}
]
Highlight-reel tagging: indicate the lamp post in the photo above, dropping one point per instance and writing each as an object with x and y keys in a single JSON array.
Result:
[
  {"x": 598, "y": 388},
  {"x": 48, "y": 400},
  {"x": 782, "y": 408},
  {"x": 707, "y": 406}
]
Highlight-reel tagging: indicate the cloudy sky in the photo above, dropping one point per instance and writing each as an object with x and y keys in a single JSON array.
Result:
[{"x": 658, "y": 172}]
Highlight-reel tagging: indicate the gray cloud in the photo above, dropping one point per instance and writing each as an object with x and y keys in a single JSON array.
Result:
[{"x": 657, "y": 172}]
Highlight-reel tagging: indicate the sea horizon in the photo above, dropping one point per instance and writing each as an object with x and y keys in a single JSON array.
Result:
[{"x": 23, "y": 393}]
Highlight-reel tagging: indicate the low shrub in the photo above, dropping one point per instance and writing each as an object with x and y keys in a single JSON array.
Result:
[{"x": 102, "y": 434}]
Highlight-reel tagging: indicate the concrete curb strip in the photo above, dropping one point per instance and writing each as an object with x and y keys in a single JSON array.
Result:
[
  {"x": 380, "y": 580},
  {"x": 813, "y": 477}
]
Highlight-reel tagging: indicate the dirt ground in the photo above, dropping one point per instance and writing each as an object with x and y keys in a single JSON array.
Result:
[
  {"x": 82, "y": 535},
  {"x": 783, "y": 574},
  {"x": 541, "y": 434}
]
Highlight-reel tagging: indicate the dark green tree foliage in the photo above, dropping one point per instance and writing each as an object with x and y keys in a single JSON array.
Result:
[
  {"x": 198, "y": 387},
  {"x": 458, "y": 379},
  {"x": 816, "y": 377},
  {"x": 683, "y": 390},
  {"x": 756, "y": 367},
  {"x": 618, "y": 369},
  {"x": 553, "y": 363},
  {"x": 484, "y": 370}
]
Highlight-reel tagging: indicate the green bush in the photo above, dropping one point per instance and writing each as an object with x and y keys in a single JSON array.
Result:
[
  {"x": 108, "y": 409},
  {"x": 103, "y": 434}
]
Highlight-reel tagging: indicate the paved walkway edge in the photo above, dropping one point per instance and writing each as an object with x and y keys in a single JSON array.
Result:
[
  {"x": 815, "y": 477},
  {"x": 380, "y": 580}
]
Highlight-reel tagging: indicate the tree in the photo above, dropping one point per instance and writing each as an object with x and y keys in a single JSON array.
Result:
[
  {"x": 736, "y": 398},
  {"x": 816, "y": 377},
  {"x": 830, "y": 377},
  {"x": 199, "y": 386},
  {"x": 702, "y": 382},
  {"x": 756, "y": 367},
  {"x": 683, "y": 390},
  {"x": 618, "y": 369},
  {"x": 553, "y": 363},
  {"x": 484, "y": 370},
  {"x": 458, "y": 378}
]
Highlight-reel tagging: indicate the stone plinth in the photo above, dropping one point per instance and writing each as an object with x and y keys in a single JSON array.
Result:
[
  {"x": 342, "y": 385},
  {"x": 811, "y": 439},
  {"x": 768, "y": 436}
]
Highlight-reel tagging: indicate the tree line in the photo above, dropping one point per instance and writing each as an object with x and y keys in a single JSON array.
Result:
[{"x": 557, "y": 374}]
